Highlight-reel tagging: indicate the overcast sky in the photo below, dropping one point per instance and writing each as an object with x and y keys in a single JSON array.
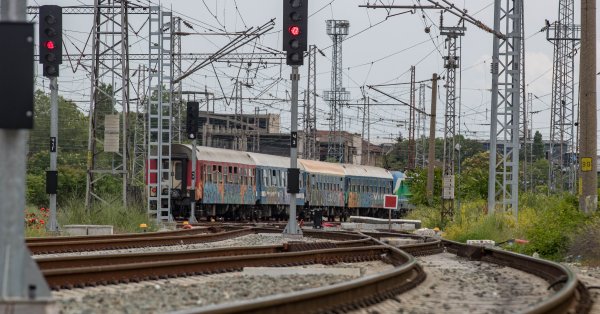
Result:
[{"x": 378, "y": 50}]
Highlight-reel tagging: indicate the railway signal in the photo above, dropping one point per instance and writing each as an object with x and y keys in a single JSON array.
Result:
[
  {"x": 192, "y": 119},
  {"x": 295, "y": 30},
  {"x": 50, "y": 39}
]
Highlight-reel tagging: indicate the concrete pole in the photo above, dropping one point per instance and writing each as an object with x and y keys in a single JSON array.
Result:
[
  {"x": 588, "y": 196},
  {"x": 292, "y": 229},
  {"x": 53, "y": 224},
  {"x": 194, "y": 175},
  {"x": 431, "y": 153},
  {"x": 22, "y": 287}
]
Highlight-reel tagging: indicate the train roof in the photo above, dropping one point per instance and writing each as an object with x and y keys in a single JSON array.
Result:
[
  {"x": 315, "y": 166},
  {"x": 264, "y": 160},
  {"x": 366, "y": 171},
  {"x": 215, "y": 154}
]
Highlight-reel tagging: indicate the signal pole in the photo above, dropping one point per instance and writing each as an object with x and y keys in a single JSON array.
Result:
[
  {"x": 52, "y": 174},
  {"x": 295, "y": 31},
  {"x": 292, "y": 228},
  {"x": 588, "y": 192},
  {"x": 22, "y": 286}
]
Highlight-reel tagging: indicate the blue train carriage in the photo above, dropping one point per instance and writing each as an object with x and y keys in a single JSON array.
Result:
[
  {"x": 365, "y": 189},
  {"x": 225, "y": 185},
  {"x": 402, "y": 190},
  {"x": 272, "y": 198},
  {"x": 324, "y": 186}
]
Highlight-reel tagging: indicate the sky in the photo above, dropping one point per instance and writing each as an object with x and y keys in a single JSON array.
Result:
[{"x": 381, "y": 47}]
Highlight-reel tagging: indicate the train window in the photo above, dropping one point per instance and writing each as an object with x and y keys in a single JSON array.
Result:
[
  {"x": 220, "y": 169},
  {"x": 235, "y": 169}
]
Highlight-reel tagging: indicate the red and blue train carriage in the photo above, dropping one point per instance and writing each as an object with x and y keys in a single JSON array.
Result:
[{"x": 233, "y": 184}]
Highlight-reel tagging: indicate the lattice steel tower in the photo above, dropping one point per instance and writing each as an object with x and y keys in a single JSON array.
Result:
[
  {"x": 337, "y": 30},
  {"x": 310, "y": 107},
  {"x": 110, "y": 86},
  {"x": 451, "y": 64},
  {"x": 564, "y": 34},
  {"x": 503, "y": 185}
]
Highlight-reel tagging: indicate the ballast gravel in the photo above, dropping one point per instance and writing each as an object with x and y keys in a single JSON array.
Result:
[
  {"x": 243, "y": 241},
  {"x": 457, "y": 285},
  {"x": 160, "y": 296}
]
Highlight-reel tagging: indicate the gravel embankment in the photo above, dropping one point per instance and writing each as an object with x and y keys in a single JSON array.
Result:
[
  {"x": 162, "y": 296},
  {"x": 590, "y": 276},
  {"x": 457, "y": 285},
  {"x": 247, "y": 240}
]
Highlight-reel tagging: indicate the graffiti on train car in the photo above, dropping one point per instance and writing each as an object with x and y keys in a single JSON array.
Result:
[
  {"x": 327, "y": 198},
  {"x": 228, "y": 194},
  {"x": 356, "y": 199},
  {"x": 274, "y": 195}
]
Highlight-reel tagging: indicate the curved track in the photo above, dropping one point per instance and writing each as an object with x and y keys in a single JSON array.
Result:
[{"x": 570, "y": 295}]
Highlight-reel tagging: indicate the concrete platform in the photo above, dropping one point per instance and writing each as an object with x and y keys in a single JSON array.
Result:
[
  {"x": 287, "y": 271},
  {"x": 82, "y": 230},
  {"x": 29, "y": 307}
]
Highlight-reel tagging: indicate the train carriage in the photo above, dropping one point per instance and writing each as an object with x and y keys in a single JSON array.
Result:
[
  {"x": 225, "y": 179},
  {"x": 365, "y": 188},
  {"x": 239, "y": 185},
  {"x": 324, "y": 185},
  {"x": 271, "y": 188}
]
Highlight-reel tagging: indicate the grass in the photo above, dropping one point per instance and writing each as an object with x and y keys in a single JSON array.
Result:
[
  {"x": 123, "y": 219},
  {"x": 73, "y": 212},
  {"x": 553, "y": 225}
]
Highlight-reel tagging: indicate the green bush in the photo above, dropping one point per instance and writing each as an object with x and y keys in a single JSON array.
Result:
[{"x": 548, "y": 223}]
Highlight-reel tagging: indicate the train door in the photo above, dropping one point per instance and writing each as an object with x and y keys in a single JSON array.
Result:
[{"x": 179, "y": 176}]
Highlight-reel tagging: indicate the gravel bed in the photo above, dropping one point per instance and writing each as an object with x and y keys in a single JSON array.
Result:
[
  {"x": 590, "y": 276},
  {"x": 457, "y": 285},
  {"x": 247, "y": 240},
  {"x": 160, "y": 296}
]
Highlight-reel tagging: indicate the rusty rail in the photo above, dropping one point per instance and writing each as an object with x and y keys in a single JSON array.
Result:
[
  {"x": 571, "y": 296},
  {"x": 84, "y": 276},
  {"x": 155, "y": 239}
]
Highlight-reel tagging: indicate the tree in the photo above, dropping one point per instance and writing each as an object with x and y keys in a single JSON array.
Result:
[
  {"x": 72, "y": 126},
  {"x": 538, "y": 146}
]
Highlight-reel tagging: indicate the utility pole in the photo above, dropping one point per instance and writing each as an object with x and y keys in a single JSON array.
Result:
[
  {"x": 22, "y": 286},
  {"x": 503, "y": 179},
  {"x": 337, "y": 30},
  {"x": 564, "y": 34},
  {"x": 588, "y": 196},
  {"x": 411, "y": 122},
  {"x": 431, "y": 153},
  {"x": 451, "y": 63}
]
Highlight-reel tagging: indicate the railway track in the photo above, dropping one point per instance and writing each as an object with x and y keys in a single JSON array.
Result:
[{"x": 570, "y": 296}]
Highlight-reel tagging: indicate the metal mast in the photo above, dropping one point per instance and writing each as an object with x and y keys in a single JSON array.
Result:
[
  {"x": 160, "y": 114},
  {"x": 337, "y": 30},
  {"x": 564, "y": 35},
  {"x": 109, "y": 93},
  {"x": 176, "y": 71},
  {"x": 310, "y": 107},
  {"x": 421, "y": 128},
  {"x": 451, "y": 64},
  {"x": 503, "y": 185},
  {"x": 411, "y": 122}
]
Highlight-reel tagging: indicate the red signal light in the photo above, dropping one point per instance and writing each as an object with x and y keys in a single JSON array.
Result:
[
  {"x": 294, "y": 30},
  {"x": 50, "y": 45}
]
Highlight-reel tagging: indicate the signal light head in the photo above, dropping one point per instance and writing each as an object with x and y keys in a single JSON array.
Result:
[
  {"x": 49, "y": 45},
  {"x": 294, "y": 30}
]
